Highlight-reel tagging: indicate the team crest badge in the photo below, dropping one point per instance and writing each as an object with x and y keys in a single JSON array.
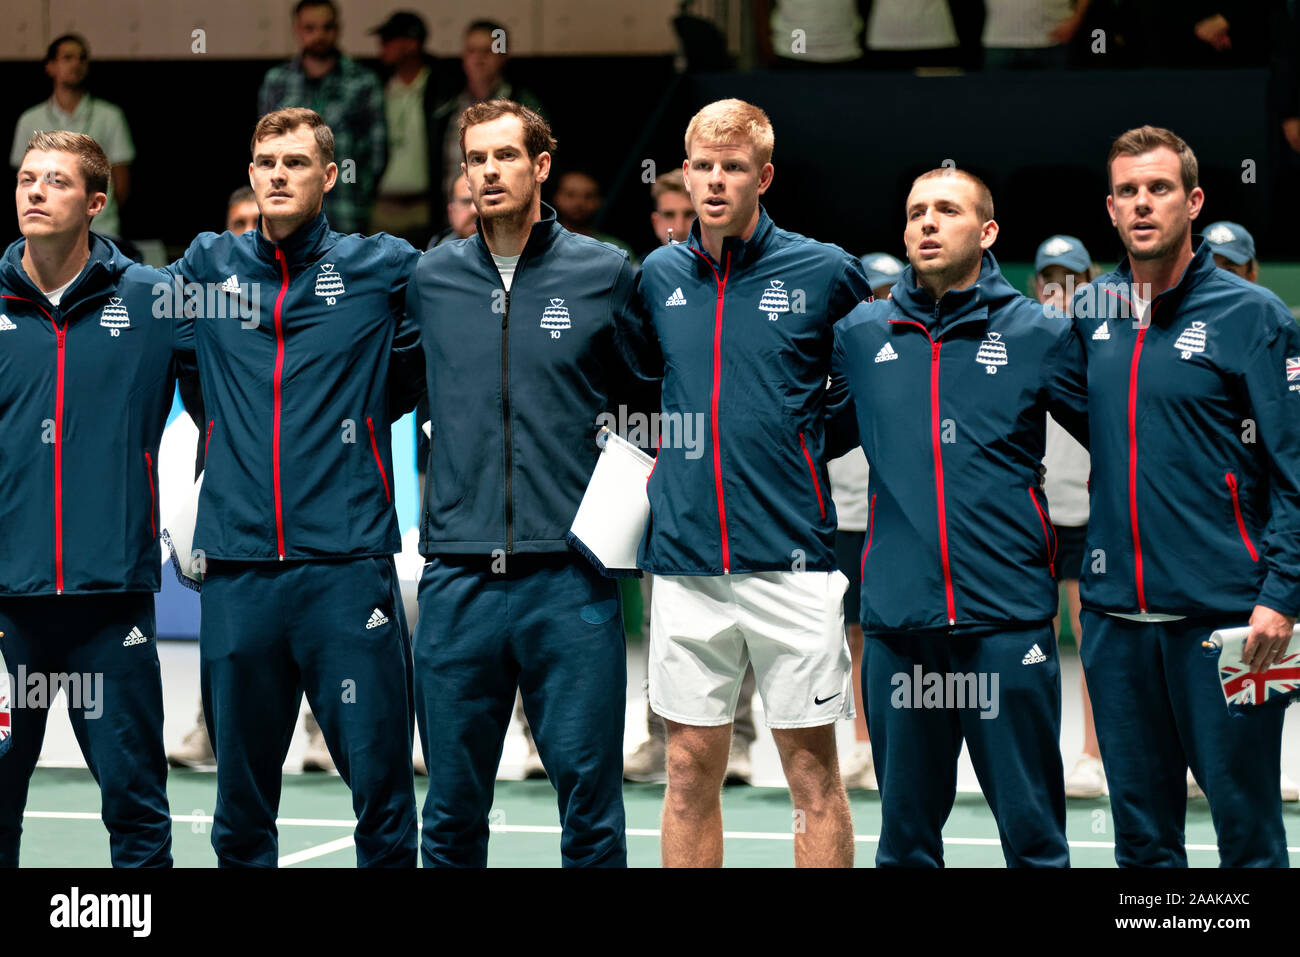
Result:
[
  {"x": 555, "y": 318},
  {"x": 1192, "y": 341},
  {"x": 329, "y": 284},
  {"x": 775, "y": 301},
  {"x": 114, "y": 317},
  {"x": 992, "y": 353}
]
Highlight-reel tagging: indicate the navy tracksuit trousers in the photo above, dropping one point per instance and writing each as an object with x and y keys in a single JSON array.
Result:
[
  {"x": 114, "y": 696},
  {"x": 336, "y": 630},
  {"x": 1159, "y": 709},
  {"x": 551, "y": 626},
  {"x": 1004, "y": 702}
]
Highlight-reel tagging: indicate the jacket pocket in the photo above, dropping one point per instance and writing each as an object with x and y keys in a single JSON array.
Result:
[
  {"x": 153, "y": 493},
  {"x": 1231, "y": 480},
  {"x": 812, "y": 470},
  {"x": 374, "y": 447},
  {"x": 1049, "y": 533}
]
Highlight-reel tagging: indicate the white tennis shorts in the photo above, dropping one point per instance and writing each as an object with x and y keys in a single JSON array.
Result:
[{"x": 704, "y": 630}]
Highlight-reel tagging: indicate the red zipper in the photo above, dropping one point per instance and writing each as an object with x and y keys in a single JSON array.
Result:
[
  {"x": 871, "y": 529},
  {"x": 938, "y": 465},
  {"x": 153, "y": 498},
  {"x": 817, "y": 486},
  {"x": 1048, "y": 538},
  {"x": 207, "y": 442},
  {"x": 279, "y": 372},
  {"x": 1241, "y": 522},
  {"x": 1132, "y": 468},
  {"x": 58, "y": 442},
  {"x": 717, "y": 391},
  {"x": 374, "y": 447}
]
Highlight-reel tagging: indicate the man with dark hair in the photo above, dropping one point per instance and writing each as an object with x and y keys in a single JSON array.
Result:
[
  {"x": 1194, "y": 519},
  {"x": 528, "y": 332},
  {"x": 87, "y": 369},
  {"x": 70, "y": 107},
  {"x": 483, "y": 59},
  {"x": 241, "y": 211},
  {"x": 296, "y": 527},
  {"x": 407, "y": 204},
  {"x": 350, "y": 100},
  {"x": 577, "y": 202}
]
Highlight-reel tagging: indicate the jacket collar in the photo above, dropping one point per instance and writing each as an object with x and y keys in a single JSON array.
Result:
[
  {"x": 742, "y": 252},
  {"x": 956, "y": 305},
  {"x": 539, "y": 239},
  {"x": 1201, "y": 266},
  {"x": 304, "y": 245},
  {"x": 98, "y": 277}
]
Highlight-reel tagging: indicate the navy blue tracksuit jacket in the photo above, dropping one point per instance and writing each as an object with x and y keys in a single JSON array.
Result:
[
  {"x": 950, "y": 399},
  {"x": 1196, "y": 458},
  {"x": 298, "y": 462},
  {"x": 85, "y": 388},
  {"x": 746, "y": 347}
]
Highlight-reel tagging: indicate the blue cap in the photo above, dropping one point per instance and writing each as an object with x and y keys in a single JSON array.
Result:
[
  {"x": 1231, "y": 241},
  {"x": 882, "y": 269},
  {"x": 1067, "y": 251}
]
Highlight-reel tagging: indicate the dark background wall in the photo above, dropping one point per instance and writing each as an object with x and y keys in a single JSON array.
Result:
[{"x": 847, "y": 144}]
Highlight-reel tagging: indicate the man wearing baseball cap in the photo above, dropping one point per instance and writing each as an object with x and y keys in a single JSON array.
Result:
[
  {"x": 407, "y": 200},
  {"x": 1061, "y": 266},
  {"x": 1233, "y": 248},
  {"x": 882, "y": 271}
]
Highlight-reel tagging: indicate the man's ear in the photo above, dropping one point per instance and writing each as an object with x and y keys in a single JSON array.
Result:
[
  {"x": 1195, "y": 200},
  {"x": 331, "y": 176},
  {"x": 989, "y": 234},
  {"x": 1110, "y": 208},
  {"x": 95, "y": 203},
  {"x": 765, "y": 177},
  {"x": 543, "y": 167}
]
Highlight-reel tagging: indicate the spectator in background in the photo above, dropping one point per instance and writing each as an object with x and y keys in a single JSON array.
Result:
[
  {"x": 407, "y": 202},
  {"x": 1195, "y": 34},
  {"x": 1234, "y": 250},
  {"x": 350, "y": 100},
  {"x": 1061, "y": 265},
  {"x": 673, "y": 213},
  {"x": 70, "y": 107},
  {"x": 906, "y": 34},
  {"x": 1031, "y": 34},
  {"x": 462, "y": 217},
  {"x": 577, "y": 200},
  {"x": 483, "y": 58},
  {"x": 809, "y": 33},
  {"x": 849, "y": 475},
  {"x": 241, "y": 211}
]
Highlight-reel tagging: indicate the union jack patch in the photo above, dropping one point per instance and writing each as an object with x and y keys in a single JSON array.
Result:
[{"x": 1293, "y": 369}]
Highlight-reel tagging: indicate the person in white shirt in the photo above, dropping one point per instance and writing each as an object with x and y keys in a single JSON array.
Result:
[
  {"x": 1031, "y": 34},
  {"x": 71, "y": 108}
]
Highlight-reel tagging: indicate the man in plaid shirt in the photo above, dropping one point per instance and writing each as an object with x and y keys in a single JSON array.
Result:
[{"x": 349, "y": 98}]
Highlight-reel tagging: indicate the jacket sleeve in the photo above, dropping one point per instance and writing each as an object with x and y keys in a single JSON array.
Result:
[
  {"x": 850, "y": 288},
  {"x": 1065, "y": 383},
  {"x": 841, "y": 422},
  {"x": 406, "y": 361},
  {"x": 1275, "y": 403},
  {"x": 634, "y": 334}
]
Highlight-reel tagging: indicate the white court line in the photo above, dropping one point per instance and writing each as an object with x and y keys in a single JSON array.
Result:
[
  {"x": 631, "y": 831},
  {"x": 320, "y": 850}
]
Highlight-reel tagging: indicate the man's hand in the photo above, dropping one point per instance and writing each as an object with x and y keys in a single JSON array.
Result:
[
  {"x": 1214, "y": 31},
  {"x": 1270, "y": 634}
]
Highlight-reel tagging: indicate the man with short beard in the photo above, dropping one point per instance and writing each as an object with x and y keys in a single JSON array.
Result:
[
  {"x": 295, "y": 521},
  {"x": 528, "y": 332},
  {"x": 1194, "y": 519},
  {"x": 952, "y": 378}
]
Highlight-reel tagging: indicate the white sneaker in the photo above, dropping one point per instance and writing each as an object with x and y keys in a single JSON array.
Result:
[
  {"x": 1193, "y": 789},
  {"x": 1290, "y": 792},
  {"x": 859, "y": 769},
  {"x": 1087, "y": 779}
]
